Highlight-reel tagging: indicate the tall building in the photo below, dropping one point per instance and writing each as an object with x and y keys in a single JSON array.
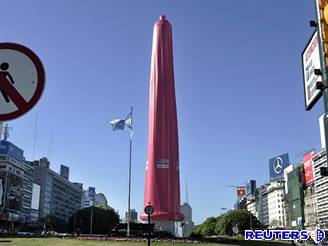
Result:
[
  {"x": 252, "y": 204},
  {"x": 58, "y": 196},
  {"x": 250, "y": 187},
  {"x": 185, "y": 227},
  {"x": 188, "y": 224},
  {"x": 162, "y": 185},
  {"x": 64, "y": 172},
  {"x": 276, "y": 198},
  {"x": 91, "y": 194},
  {"x": 295, "y": 198},
  {"x": 16, "y": 185},
  {"x": 91, "y": 198},
  {"x": 262, "y": 203},
  {"x": 133, "y": 216},
  {"x": 321, "y": 187}
]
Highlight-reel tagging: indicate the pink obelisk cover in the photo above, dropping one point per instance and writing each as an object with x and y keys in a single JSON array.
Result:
[{"x": 162, "y": 186}]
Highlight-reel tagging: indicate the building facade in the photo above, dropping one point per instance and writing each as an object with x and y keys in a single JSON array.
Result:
[
  {"x": 187, "y": 225},
  {"x": 58, "y": 196},
  {"x": 252, "y": 204},
  {"x": 321, "y": 189},
  {"x": 91, "y": 198},
  {"x": 276, "y": 199},
  {"x": 16, "y": 185},
  {"x": 295, "y": 198},
  {"x": 310, "y": 208},
  {"x": 263, "y": 209}
]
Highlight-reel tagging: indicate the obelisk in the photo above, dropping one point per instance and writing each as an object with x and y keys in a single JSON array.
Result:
[{"x": 162, "y": 185}]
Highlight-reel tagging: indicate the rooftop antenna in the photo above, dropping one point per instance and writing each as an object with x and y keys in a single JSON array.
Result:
[
  {"x": 187, "y": 195},
  {"x": 35, "y": 134},
  {"x": 6, "y": 130},
  {"x": 51, "y": 146}
]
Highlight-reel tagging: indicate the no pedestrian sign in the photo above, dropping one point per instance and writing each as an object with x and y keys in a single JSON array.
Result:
[{"x": 22, "y": 80}]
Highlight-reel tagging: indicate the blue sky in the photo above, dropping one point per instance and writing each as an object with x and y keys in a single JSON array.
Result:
[{"x": 238, "y": 85}]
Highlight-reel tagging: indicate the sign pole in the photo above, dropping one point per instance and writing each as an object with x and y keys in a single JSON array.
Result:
[
  {"x": 149, "y": 210},
  {"x": 323, "y": 71},
  {"x": 148, "y": 229}
]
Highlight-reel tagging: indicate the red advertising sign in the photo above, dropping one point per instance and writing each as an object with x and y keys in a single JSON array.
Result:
[{"x": 308, "y": 167}]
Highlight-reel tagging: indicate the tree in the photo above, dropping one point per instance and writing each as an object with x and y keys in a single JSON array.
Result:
[
  {"x": 104, "y": 219},
  {"x": 240, "y": 218},
  {"x": 207, "y": 228}
]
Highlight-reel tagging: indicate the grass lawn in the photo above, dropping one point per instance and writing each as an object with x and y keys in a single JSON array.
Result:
[{"x": 72, "y": 242}]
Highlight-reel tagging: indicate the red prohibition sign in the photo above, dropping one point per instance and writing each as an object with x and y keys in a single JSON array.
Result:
[{"x": 18, "y": 61}]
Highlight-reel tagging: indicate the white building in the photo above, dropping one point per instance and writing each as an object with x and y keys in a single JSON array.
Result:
[
  {"x": 276, "y": 198},
  {"x": 251, "y": 205},
  {"x": 321, "y": 187},
  {"x": 91, "y": 198},
  {"x": 187, "y": 225}
]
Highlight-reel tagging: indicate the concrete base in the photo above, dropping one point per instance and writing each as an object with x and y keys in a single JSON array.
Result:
[{"x": 165, "y": 225}]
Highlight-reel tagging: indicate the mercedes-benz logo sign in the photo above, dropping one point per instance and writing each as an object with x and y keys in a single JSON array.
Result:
[{"x": 277, "y": 165}]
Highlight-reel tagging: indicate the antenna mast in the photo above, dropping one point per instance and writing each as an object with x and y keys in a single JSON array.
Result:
[
  {"x": 6, "y": 130},
  {"x": 35, "y": 134},
  {"x": 187, "y": 194}
]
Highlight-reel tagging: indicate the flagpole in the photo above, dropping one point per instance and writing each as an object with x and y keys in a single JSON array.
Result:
[
  {"x": 1, "y": 125},
  {"x": 129, "y": 195}
]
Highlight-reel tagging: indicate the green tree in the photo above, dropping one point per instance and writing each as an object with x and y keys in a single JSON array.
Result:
[
  {"x": 240, "y": 218},
  {"x": 207, "y": 228},
  {"x": 104, "y": 219}
]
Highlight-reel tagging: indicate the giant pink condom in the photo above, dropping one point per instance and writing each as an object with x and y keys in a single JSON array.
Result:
[{"x": 162, "y": 185}]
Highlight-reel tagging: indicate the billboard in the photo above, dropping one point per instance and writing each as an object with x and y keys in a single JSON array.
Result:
[
  {"x": 250, "y": 187},
  {"x": 14, "y": 192},
  {"x": 277, "y": 166},
  {"x": 308, "y": 167},
  {"x": 241, "y": 192},
  {"x": 35, "y": 196},
  {"x": 11, "y": 191},
  {"x": 311, "y": 61}
]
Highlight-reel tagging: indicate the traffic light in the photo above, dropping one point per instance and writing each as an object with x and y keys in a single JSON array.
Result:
[
  {"x": 323, "y": 26},
  {"x": 324, "y": 171}
]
